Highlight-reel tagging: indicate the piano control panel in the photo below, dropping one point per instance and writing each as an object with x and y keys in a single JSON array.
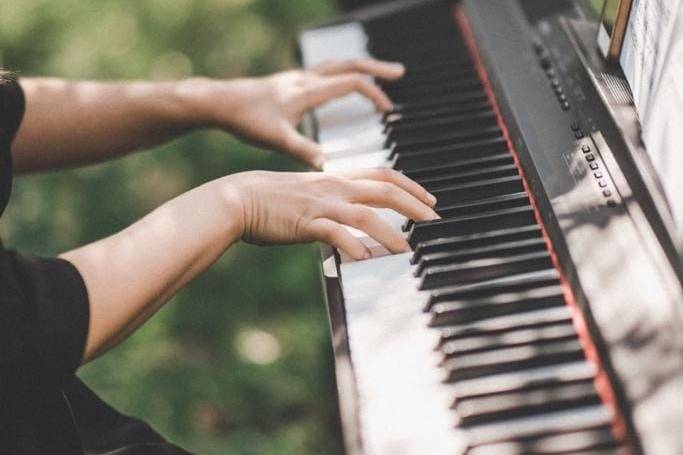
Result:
[{"x": 516, "y": 325}]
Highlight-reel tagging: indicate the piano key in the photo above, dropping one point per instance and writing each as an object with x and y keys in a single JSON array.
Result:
[
  {"x": 496, "y": 286},
  {"x": 448, "y": 179},
  {"x": 476, "y": 240},
  {"x": 470, "y": 224},
  {"x": 557, "y": 444},
  {"x": 469, "y": 366},
  {"x": 401, "y": 118},
  {"x": 580, "y": 419},
  {"x": 473, "y": 164},
  {"x": 490, "y": 251},
  {"x": 427, "y": 128},
  {"x": 463, "y": 311},
  {"x": 479, "y": 189},
  {"x": 418, "y": 91},
  {"x": 483, "y": 269},
  {"x": 440, "y": 101},
  {"x": 431, "y": 77},
  {"x": 499, "y": 324},
  {"x": 446, "y": 137},
  {"x": 511, "y": 338},
  {"x": 526, "y": 402},
  {"x": 428, "y": 156},
  {"x": 523, "y": 379}
]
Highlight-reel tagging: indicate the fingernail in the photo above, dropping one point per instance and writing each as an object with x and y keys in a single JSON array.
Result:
[
  {"x": 407, "y": 249},
  {"x": 399, "y": 66},
  {"x": 431, "y": 199},
  {"x": 367, "y": 254},
  {"x": 318, "y": 163}
]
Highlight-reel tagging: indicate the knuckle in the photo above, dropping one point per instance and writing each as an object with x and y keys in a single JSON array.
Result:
[{"x": 362, "y": 216}]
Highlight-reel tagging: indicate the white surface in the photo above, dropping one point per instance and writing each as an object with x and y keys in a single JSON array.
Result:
[{"x": 404, "y": 404}]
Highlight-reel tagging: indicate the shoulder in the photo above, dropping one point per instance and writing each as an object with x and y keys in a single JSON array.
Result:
[{"x": 11, "y": 103}]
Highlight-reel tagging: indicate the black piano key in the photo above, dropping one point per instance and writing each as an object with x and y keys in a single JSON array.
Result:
[
  {"x": 476, "y": 240},
  {"x": 506, "y": 323},
  {"x": 440, "y": 101},
  {"x": 395, "y": 119},
  {"x": 491, "y": 287},
  {"x": 483, "y": 269},
  {"x": 469, "y": 310},
  {"x": 498, "y": 361},
  {"x": 533, "y": 401},
  {"x": 453, "y": 102},
  {"x": 430, "y": 156},
  {"x": 557, "y": 422},
  {"x": 477, "y": 190},
  {"x": 446, "y": 180},
  {"x": 554, "y": 332},
  {"x": 407, "y": 126},
  {"x": 523, "y": 379},
  {"x": 490, "y": 251},
  {"x": 471, "y": 224},
  {"x": 431, "y": 77},
  {"x": 470, "y": 165},
  {"x": 575, "y": 443},
  {"x": 445, "y": 137},
  {"x": 446, "y": 88}
]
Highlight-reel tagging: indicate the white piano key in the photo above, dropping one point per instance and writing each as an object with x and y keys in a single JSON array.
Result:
[
  {"x": 403, "y": 403},
  {"x": 362, "y": 161}
]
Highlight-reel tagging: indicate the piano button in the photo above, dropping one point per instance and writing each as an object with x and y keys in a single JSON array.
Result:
[
  {"x": 594, "y": 165},
  {"x": 606, "y": 193},
  {"x": 469, "y": 310},
  {"x": 597, "y": 175},
  {"x": 579, "y": 419},
  {"x": 590, "y": 157},
  {"x": 461, "y": 346},
  {"x": 486, "y": 363},
  {"x": 565, "y": 106},
  {"x": 576, "y": 443},
  {"x": 575, "y": 127},
  {"x": 470, "y": 224},
  {"x": 479, "y": 239},
  {"x": 483, "y": 269},
  {"x": 490, "y": 251},
  {"x": 585, "y": 149},
  {"x": 488, "y": 288},
  {"x": 527, "y": 402},
  {"x": 523, "y": 379},
  {"x": 602, "y": 184}
]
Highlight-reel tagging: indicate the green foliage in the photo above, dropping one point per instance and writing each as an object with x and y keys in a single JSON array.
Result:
[{"x": 190, "y": 370}]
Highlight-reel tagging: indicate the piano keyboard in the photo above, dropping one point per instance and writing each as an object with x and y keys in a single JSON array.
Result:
[{"x": 468, "y": 344}]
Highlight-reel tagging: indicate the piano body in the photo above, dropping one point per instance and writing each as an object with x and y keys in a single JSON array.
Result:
[{"x": 542, "y": 313}]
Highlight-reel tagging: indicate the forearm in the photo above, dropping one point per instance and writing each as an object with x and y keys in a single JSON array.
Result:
[
  {"x": 75, "y": 123},
  {"x": 130, "y": 275}
]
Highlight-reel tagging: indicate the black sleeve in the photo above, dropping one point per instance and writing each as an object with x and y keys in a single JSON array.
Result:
[{"x": 49, "y": 316}]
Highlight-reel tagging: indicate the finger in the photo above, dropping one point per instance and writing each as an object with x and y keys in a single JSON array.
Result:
[
  {"x": 328, "y": 88},
  {"x": 372, "y": 67},
  {"x": 391, "y": 176},
  {"x": 338, "y": 236},
  {"x": 389, "y": 195},
  {"x": 303, "y": 148},
  {"x": 365, "y": 219}
]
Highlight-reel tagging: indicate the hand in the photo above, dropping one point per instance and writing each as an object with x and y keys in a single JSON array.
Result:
[
  {"x": 267, "y": 110},
  {"x": 277, "y": 208}
]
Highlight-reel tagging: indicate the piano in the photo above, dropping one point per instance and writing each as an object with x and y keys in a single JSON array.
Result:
[{"x": 542, "y": 314}]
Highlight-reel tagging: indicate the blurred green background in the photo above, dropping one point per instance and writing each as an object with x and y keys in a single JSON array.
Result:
[{"x": 240, "y": 361}]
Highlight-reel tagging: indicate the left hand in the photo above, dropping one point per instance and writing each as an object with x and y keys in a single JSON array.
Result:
[{"x": 267, "y": 110}]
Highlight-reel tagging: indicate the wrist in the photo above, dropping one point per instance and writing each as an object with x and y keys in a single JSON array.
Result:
[
  {"x": 211, "y": 103},
  {"x": 231, "y": 206}
]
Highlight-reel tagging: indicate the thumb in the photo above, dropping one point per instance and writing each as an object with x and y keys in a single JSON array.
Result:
[{"x": 304, "y": 149}]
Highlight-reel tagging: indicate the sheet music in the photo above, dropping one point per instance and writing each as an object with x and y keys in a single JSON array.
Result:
[{"x": 652, "y": 59}]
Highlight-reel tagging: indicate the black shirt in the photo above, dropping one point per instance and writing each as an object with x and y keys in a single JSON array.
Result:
[{"x": 44, "y": 314}]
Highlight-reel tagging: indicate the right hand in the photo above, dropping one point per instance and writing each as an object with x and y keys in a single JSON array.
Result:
[{"x": 284, "y": 207}]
